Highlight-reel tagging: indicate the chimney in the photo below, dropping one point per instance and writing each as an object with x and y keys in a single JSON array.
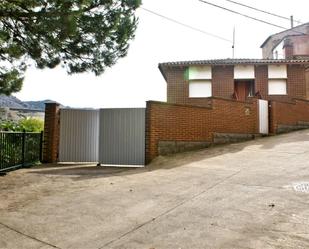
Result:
[{"x": 288, "y": 49}]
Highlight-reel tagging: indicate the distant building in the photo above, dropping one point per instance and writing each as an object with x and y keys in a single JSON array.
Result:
[
  {"x": 289, "y": 44},
  {"x": 15, "y": 114}
]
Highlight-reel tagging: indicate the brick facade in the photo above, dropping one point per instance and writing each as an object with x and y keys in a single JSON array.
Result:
[
  {"x": 51, "y": 133},
  {"x": 297, "y": 81},
  {"x": 178, "y": 89},
  {"x": 223, "y": 81},
  {"x": 223, "y": 84},
  {"x": 261, "y": 80},
  {"x": 174, "y": 122}
]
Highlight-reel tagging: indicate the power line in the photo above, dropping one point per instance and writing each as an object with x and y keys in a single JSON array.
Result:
[
  {"x": 263, "y": 11},
  {"x": 186, "y": 25},
  {"x": 238, "y": 13}
]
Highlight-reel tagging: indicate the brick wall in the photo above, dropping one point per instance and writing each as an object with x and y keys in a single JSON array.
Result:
[
  {"x": 288, "y": 114},
  {"x": 223, "y": 84},
  {"x": 175, "y": 122},
  {"x": 51, "y": 133}
]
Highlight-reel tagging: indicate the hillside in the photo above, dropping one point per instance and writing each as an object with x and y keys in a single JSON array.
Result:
[
  {"x": 37, "y": 105},
  {"x": 13, "y": 102}
]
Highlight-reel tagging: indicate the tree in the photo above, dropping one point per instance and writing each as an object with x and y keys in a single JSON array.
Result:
[{"x": 81, "y": 35}]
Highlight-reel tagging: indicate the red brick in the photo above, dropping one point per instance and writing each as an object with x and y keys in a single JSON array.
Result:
[
  {"x": 177, "y": 122},
  {"x": 51, "y": 133}
]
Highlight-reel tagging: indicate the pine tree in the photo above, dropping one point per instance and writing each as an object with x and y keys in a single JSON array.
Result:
[{"x": 81, "y": 35}]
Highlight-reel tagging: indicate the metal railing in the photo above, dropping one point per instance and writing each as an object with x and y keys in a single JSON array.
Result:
[{"x": 20, "y": 149}]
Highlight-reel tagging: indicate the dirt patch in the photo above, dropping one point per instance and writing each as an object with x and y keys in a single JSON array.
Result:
[{"x": 21, "y": 187}]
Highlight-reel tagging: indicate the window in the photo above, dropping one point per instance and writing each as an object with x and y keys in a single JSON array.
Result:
[
  {"x": 200, "y": 89},
  {"x": 277, "y": 72},
  {"x": 277, "y": 80},
  {"x": 251, "y": 91},
  {"x": 200, "y": 82},
  {"x": 277, "y": 87},
  {"x": 200, "y": 73},
  {"x": 244, "y": 72}
]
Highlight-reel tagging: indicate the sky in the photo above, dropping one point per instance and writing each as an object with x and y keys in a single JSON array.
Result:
[{"x": 136, "y": 78}]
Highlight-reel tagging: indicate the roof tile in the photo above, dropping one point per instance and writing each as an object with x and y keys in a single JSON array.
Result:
[{"x": 234, "y": 62}]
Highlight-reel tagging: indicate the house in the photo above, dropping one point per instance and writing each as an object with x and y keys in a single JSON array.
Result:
[{"x": 193, "y": 82}]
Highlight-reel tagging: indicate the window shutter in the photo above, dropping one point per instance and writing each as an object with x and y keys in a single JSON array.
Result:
[
  {"x": 277, "y": 72},
  {"x": 244, "y": 72},
  {"x": 277, "y": 87},
  {"x": 200, "y": 89},
  {"x": 200, "y": 73}
]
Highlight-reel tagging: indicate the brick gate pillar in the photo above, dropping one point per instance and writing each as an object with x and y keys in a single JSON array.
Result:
[{"x": 51, "y": 132}]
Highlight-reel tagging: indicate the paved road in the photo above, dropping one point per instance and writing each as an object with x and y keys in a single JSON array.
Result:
[{"x": 246, "y": 195}]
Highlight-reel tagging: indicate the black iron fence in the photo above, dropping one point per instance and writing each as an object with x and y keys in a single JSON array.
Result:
[{"x": 20, "y": 149}]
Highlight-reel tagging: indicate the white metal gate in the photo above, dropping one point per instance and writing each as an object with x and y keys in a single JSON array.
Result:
[
  {"x": 263, "y": 116},
  {"x": 105, "y": 136},
  {"x": 79, "y": 141},
  {"x": 122, "y": 136}
]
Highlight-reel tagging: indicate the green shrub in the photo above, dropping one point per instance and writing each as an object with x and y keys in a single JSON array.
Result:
[
  {"x": 8, "y": 125},
  {"x": 26, "y": 124},
  {"x": 31, "y": 125}
]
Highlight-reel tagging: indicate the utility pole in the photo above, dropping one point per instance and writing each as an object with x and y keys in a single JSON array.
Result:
[{"x": 292, "y": 22}]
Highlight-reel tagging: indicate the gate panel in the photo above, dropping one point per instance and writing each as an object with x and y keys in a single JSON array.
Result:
[
  {"x": 79, "y": 135},
  {"x": 263, "y": 116},
  {"x": 122, "y": 136}
]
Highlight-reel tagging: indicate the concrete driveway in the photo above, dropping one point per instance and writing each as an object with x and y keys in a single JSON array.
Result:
[{"x": 247, "y": 195}]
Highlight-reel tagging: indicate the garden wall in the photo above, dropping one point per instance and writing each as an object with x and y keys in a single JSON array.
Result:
[
  {"x": 285, "y": 117},
  {"x": 175, "y": 128}
]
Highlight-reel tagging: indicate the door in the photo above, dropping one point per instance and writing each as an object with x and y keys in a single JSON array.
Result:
[
  {"x": 240, "y": 89},
  {"x": 122, "y": 137},
  {"x": 244, "y": 89}
]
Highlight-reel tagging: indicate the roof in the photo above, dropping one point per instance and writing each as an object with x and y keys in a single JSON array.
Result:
[
  {"x": 287, "y": 31},
  {"x": 222, "y": 62},
  {"x": 235, "y": 62}
]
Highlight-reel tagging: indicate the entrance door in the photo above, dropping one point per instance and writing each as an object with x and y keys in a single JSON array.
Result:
[{"x": 244, "y": 89}]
